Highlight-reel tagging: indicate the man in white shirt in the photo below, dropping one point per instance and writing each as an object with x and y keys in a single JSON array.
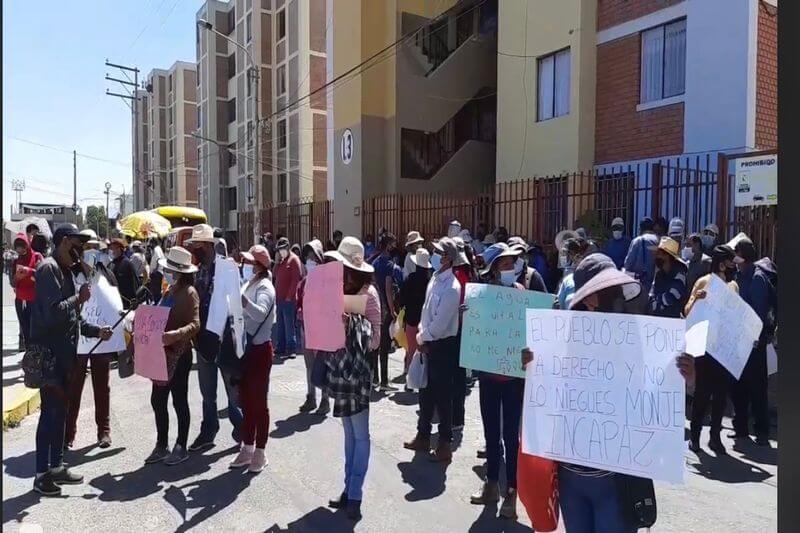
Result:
[
  {"x": 156, "y": 275},
  {"x": 438, "y": 340}
]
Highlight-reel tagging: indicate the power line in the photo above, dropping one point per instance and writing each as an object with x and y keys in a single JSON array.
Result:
[{"x": 64, "y": 150}]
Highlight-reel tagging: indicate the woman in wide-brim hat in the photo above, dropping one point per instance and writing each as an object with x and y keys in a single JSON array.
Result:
[
  {"x": 182, "y": 326},
  {"x": 412, "y": 298},
  {"x": 669, "y": 291},
  {"x": 349, "y": 373}
]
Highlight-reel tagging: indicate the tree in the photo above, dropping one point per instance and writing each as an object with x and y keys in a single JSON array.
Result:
[{"x": 97, "y": 220}]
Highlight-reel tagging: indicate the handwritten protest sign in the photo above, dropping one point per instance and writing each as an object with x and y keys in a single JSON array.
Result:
[
  {"x": 723, "y": 325},
  {"x": 150, "y": 360},
  {"x": 102, "y": 309},
  {"x": 323, "y": 306},
  {"x": 493, "y": 331},
  {"x": 604, "y": 392},
  {"x": 226, "y": 301}
]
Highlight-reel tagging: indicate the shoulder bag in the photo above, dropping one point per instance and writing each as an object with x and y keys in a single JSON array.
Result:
[{"x": 637, "y": 500}]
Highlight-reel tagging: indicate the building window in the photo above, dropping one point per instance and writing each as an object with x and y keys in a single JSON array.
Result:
[
  {"x": 281, "y": 80},
  {"x": 249, "y": 27},
  {"x": 231, "y": 110},
  {"x": 230, "y": 198},
  {"x": 232, "y": 155},
  {"x": 281, "y": 23},
  {"x": 553, "y": 86},
  {"x": 281, "y": 134},
  {"x": 232, "y": 65},
  {"x": 283, "y": 187},
  {"x": 663, "y": 61},
  {"x": 231, "y": 20}
]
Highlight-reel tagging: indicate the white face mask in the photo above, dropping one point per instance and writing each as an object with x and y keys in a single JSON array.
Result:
[
  {"x": 508, "y": 277},
  {"x": 708, "y": 240},
  {"x": 563, "y": 262},
  {"x": 436, "y": 261},
  {"x": 617, "y": 234},
  {"x": 519, "y": 264},
  {"x": 247, "y": 272},
  {"x": 453, "y": 231},
  {"x": 91, "y": 257},
  {"x": 284, "y": 253},
  {"x": 310, "y": 265},
  {"x": 170, "y": 278},
  {"x": 687, "y": 254}
]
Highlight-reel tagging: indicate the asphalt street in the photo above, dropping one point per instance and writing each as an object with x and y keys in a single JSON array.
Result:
[{"x": 403, "y": 492}]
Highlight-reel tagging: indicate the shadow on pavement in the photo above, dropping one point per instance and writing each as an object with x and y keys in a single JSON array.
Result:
[
  {"x": 766, "y": 455},
  {"x": 23, "y": 466},
  {"x": 426, "y": 477},
  {"x": 728, "y": 469},
  {"x": 210, "y": 496},
  {"x": 148, "y": 479},
  {"x": 16, "y": 508},
  {"x": 488, "y": 521},
  {"x": 405, "y": 398},
  {"x": 320, "y": 519},
  {"x": 297, "y": 423}
]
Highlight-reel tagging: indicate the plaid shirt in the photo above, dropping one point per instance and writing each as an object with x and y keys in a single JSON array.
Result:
[{"x": 349, "y": 373}]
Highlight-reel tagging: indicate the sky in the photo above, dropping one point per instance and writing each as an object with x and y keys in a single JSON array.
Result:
[{"x": 54, "y": 90}]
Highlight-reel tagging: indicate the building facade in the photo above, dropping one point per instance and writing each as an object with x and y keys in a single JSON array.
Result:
[
  {"x": 285, "y": 43},
  {"x": 166, "y": 119}
]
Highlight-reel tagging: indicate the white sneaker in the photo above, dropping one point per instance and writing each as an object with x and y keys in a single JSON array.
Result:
[
  {"x": 259, "y": 461},
  {"x": 244, "y": 458}
]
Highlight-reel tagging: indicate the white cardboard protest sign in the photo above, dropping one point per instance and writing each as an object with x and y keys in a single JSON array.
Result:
[
  {"x": 102, "y": 309},
  {"x": 723, "y": 325},
  {"x": 604, "y": 392},
  {"x": 226, "y": 301}
]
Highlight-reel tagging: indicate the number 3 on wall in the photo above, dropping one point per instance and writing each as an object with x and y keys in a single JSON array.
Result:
[{"x": 347, "y": 146}]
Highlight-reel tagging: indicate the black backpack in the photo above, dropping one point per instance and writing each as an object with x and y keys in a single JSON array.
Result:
[{"x": 637, "y": 499}]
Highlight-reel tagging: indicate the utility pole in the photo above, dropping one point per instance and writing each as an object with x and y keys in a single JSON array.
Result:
[
  {"x": 18, "y": 186},
  {"x": 108, "y": 215},
  {"x": 135, "y": 113},
  {"x": 75, "y": 180}
]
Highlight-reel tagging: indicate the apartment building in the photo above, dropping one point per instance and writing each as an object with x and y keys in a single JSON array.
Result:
[
  {"x": 167, "y": 152},
  {"x": 285, "y": 42},
  {"x": 419, "y": 117}
]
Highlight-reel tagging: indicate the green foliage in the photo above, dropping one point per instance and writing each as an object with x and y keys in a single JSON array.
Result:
[
  {"x": 97, "y": 220},
  {"x": 595, "y": 229}
]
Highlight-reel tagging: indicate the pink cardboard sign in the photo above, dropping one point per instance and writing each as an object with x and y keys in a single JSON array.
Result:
[
  {"x": 150, "y": 361},
  {"x": 323, "y": 306}
]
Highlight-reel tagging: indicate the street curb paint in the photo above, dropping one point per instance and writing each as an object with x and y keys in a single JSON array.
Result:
[{"x": 25, "y": 402}]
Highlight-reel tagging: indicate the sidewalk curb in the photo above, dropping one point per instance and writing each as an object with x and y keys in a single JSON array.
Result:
[{"x": 27, "y": 401}]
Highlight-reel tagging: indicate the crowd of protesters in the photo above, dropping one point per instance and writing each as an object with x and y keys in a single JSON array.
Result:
[{"x": 660, "y": 272}]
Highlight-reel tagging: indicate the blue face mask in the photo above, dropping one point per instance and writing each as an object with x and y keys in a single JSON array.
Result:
[{"x": 436, "y": 261}]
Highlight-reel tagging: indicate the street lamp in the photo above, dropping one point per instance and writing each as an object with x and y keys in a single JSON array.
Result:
[{"x": 252, "y": 78}]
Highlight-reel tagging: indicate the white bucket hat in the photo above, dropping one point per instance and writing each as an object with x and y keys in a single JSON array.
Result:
[
  {"x": 202, "y": 233},
  {"x": 178, "y": 259},
  {"x": 351, "y": 253},
  {"x": 422, "y": 258},
  {"x": 413, "y": 237}
]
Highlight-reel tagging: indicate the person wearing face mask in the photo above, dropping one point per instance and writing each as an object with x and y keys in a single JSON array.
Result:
[
  {"x": 258, "y": 306},
  {"x": 640, "y": 260},
  {"x": 478, "y": 246},
  {"x": 156, "y": 274},
  {"x": 412, "y": 297},
  {"x": 713, "y": 380},
  {"x": 698, "y": 263},
  {"x": 99, "y": 365},
  {"x": 676, "y": 230},
  {"x": 438, "y": 340},
  {"x": 501, "y": 234},
  {"x": 55, "y": 325},
  {"x": 388, "y": 279},
  {"x": 668, "y": 293},
  {"x": 288, "y": 272},
  {"x": 23, "y": 281},
  {"x": 464, "y": 273},
  {"x": 183, "y": 324},
  {"x": 454, "y": 229},
  {"x": 750, "y": 390},
  {"x": 709, "y": 238},
  {"x": 413, "y": 241},
  {"x": 207, "y": 344},
  {"x": 527, "y": 276},
  {"x": 617, "y": 246},
  {"x": 500, "y": 400},
  {"x": 573, "y": 252},
  {"x": 127, "y": 280},
  {"x": 589, "y": 498},
  {"x": 313, "y": 256}
]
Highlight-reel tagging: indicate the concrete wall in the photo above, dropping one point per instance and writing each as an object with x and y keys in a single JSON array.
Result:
[{"x": 526, "y": 147}]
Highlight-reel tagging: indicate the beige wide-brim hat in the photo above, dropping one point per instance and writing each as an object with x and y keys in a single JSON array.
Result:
[
  {"x": 413, "y": 238},
  {"x": 258, "y": 254},
  {"x": 92, "y": 236},
  {"x": 178, "y": 259},
  {"x": 351, "y": 253},
  {"x": 597, "y": 272},
  {"x": 671, "y": 246},
  {"x": 422, "y": 258},
  {"x": 202, "y": 233}
]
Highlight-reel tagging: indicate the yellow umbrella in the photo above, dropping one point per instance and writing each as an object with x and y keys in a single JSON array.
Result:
[{"x": 143, "y": 225}]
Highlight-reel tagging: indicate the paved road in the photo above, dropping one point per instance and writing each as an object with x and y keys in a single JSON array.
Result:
[{"x": 403, "y": 492}]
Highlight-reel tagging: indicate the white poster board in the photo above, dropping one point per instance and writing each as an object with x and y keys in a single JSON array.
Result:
[
  {"x": 724, "y": 325},
  {"x": 226, "y": 301},
  {"x": 102, "y": 309},
  {"x": 604, "y": 392},
  {"x": 756, "y": 180}
]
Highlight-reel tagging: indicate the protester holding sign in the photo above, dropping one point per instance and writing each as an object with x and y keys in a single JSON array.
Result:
[
  {"x": 594, "y": 500},
  {"x": 348, "y": 372},
  {"x": 500, "y": 400},
  {"x": 713, "y": 380},
  {"x": 182, "y": 326},
  {"x": 258, "y": 305}
]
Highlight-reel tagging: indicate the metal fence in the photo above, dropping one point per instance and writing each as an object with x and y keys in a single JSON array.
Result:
[{"x": 299, "y": 222}]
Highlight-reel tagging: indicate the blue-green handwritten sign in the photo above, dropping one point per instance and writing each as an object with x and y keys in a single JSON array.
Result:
[{"x": 493, "y": 330}]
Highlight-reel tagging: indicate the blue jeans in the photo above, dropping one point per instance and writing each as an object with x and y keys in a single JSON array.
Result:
[
  {"x": 284, "y": 334},
  {"x": 501, "y": 401},
  {"x": 207, "y": 376},
  {"x": 50, "y": 430},
  {"x": 591, "y": 504},
  {"x": 356, "y": 453}
]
